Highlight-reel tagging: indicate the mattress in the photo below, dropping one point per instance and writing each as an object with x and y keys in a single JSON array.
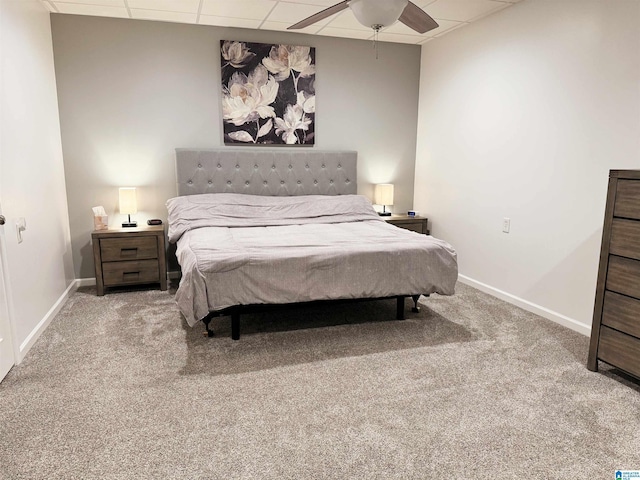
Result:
[{"x": 238, "y": 249}]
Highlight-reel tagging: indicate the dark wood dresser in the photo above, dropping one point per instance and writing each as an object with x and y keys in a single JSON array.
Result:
[{"x": 615, "y": 334}]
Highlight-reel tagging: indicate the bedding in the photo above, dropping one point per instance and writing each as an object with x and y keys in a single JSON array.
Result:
[{"x": 239, "y": 249}]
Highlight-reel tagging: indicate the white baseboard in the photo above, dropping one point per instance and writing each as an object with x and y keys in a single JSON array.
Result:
[
  {"x": 44, "y": 323},
  {"x": 528, "y": 306},
  {"x": 85, "y": 282}
]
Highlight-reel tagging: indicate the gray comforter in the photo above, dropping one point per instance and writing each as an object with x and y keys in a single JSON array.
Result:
[{"x": 243, "y": 249}]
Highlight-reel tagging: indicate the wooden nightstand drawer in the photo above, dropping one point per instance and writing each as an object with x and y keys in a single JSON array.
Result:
[
  {"x": 134, "y": 248},
  {"x": 620, "y": 350},
  {"x": 415, "y": 224},
  {"x": 129, "y": 273}
]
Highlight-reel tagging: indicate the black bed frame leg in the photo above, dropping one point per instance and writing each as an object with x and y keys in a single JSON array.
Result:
[
  {"x": 415, "y": 308},
  {"x": 235, "y": 325},
  {"x": 207, "y": 321},
  {"x": 400, "y": 308}
]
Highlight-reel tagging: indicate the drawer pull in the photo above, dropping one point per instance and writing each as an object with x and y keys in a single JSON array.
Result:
[
  {"x": 126, "y": 275},
  {"x": 129, "y": 252}
]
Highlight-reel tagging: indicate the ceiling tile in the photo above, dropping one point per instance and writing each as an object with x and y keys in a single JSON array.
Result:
[
  {"x": 104, "y": 3},
  {"x": 229, "y": 22},
  {"x": 294, "y": 12},
  {"x": 444, "y": 32},
  {"x": 402, "y": 29},
  {"x": 319, "y": 3},
  {"x": 48, "y": 6},
  {"x": 282, "y": 26},
  {"x": 179, "y": 17},
  {"x": 95, "y": 10},
  {"x": 251, "y": 9},
  {"x": 500, "y": 6},
  {"x": 347, "y": 20},
  {"x": 424, "y": 4},
  {"x": 461, "y": 10},
  {"x": 397, "y": 38},
  {"x": 345, "y": 33},
  {"x": 186, "y": 6}
]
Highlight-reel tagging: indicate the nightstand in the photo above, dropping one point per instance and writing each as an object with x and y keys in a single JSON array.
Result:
[
  {"x": 416, "y": 224},
  {"x": 129, "y": 256}
]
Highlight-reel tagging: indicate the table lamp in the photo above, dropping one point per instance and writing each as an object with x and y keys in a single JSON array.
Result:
[
  {"x": 128, "y": 205},
  {"x": 383, "y": 195}
]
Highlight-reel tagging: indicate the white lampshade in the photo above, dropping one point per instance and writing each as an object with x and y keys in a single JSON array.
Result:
[
  {"x": 128, "y": 203},
  {"x": 371, "y": 13},
  {"x": 383, "y": 194}
]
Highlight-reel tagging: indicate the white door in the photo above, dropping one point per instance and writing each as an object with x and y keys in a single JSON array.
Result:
[{"x": 6, "y": 347}]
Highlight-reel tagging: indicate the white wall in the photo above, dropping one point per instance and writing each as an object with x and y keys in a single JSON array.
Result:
[
  {"x": 522, "y": 115},
  {"x": 32, "y": 184}
]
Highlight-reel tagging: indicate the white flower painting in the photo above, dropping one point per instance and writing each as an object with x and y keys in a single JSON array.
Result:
[{"x": 268, "y": 93}]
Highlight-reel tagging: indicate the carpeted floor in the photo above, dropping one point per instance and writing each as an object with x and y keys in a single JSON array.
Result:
[{"x": 119, "y": 387}]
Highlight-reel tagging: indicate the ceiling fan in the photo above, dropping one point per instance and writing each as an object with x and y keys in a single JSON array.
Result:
[{"x": 377, "y": 14}]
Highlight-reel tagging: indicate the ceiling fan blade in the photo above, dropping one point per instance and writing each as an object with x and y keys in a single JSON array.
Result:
[
  {"x": 327, "y": 12},
  {"x": 417, "y": 19}
]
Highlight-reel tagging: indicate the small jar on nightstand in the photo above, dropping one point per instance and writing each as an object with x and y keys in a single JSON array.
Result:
[
  {"x": 129, "y": 256},
  {"x": 414, "y": 223}
]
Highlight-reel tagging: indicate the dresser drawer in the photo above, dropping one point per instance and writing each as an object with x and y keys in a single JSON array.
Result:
[
  {"x": 129, "y": 273},
  {"x": 130, "y": 248},
  {"x": 623, "y": 276},
  {"x": 625, "y": 238},
  {"x": 620, "y": 350},
  {"x": 627, "y": 199},
  {"x": 621, "y": 313}
]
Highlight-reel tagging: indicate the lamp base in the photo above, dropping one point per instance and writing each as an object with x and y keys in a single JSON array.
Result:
[
  {"x": 384, "y": 214},
  {"x": 132, "y": 223}
]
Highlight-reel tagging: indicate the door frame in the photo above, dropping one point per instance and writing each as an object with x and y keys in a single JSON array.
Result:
[
  {"x": 5, "y": 299},
  {"x": 6, "y": 309}
]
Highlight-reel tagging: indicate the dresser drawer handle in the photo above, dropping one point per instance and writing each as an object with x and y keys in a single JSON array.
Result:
[
  {"x": 129, "y": 252},
  {"x": 126, "y": 275}
]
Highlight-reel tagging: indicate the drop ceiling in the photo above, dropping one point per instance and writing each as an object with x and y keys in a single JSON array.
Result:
[{"x": 278, "y": 15}]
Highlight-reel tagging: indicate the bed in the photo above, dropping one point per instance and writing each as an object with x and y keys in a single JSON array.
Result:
[{"x": 275, "y": 227}]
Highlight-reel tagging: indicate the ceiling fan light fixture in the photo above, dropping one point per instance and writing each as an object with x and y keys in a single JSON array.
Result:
[{"x": 377, "y": 13}]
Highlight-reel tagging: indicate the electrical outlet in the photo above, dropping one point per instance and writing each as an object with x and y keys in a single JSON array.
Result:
[{"x": 506, "y": 224}]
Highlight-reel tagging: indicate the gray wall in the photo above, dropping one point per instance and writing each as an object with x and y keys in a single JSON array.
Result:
[{"x": 132, "y": 91}]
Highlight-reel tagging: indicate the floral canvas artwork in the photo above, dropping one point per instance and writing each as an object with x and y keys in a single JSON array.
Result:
[{"x": 268, "y": 93}]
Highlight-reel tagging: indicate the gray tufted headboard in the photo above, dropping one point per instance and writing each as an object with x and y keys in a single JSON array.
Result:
[{"x": 265, "y": 172}]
